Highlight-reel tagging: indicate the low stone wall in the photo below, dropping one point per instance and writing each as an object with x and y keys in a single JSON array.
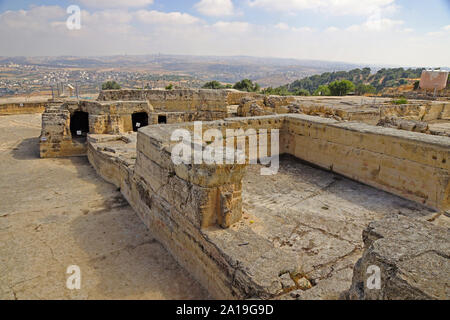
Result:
[
  {"x": 433, "y": 110},
  {"x": 22, "y": 108},
  {"x": 412, "y": 165},
  {"x": 368, "y": 112},
  {"x": 188, "y": 100},
  {"x": 412, "y": 257},
  {"x": 56, "y": 140},
  {"x": 115, "y": 116},
  {"x": 104, "y": 118},
  {"x": 183, "y": 204}
]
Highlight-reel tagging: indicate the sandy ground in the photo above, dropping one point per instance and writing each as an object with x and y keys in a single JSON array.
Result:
[{"x": 57, "y": 212}]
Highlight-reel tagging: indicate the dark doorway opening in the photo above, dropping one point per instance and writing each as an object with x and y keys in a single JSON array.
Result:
[
  {"x": 79, "y": 124},
  {"x": 140, "y": 120},
  {"x": 162, "y": 119}
]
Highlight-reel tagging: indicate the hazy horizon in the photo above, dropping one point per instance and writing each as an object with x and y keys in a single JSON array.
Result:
[{"x": 370, "y": 32}]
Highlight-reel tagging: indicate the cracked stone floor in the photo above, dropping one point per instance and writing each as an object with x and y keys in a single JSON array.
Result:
[
  {"x": 57, "y": 212},
  {"x": 318, "y": 217}
]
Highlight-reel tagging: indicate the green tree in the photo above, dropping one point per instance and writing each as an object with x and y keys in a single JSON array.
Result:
[
  {"x": 280, "y": 91},
  {"x": 111, "y": 85},
  {"x": 302, "y": 92},
  {"x": 247, "y": 85},
  {"x": 362, "y": 89},
  {"x": 213, "y": 85},
  {"x": 322, "y": 90},
  {"x": 341, "y": 88},
  {"x": 169, "y": 87}
]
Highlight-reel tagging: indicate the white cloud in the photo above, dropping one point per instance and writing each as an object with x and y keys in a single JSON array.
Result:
[
  {"x": 282, "y": 26},
  {"x": 116, "y": 3},
  {"x": 444, "y": 31},
  {"x": 36, "y": 18},
  {"x": 235, "y": 27},
  {"x": 157, "y": 17},
  {"x": 333, "y": 7},
  {"x": 382, "y": 24},
  {"x": 331, "y": 29},
  {"x": 215, "y": 8},
  {"x": 285, "y": 27},
  {"x": 42, "y": 31}
]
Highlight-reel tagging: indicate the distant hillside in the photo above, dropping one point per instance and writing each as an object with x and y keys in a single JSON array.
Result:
[
  {"x": 384, "y": 78},
  {"x": 265, "y": 71}
]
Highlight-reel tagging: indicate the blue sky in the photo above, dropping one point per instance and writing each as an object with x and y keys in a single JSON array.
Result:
[{"x": 402, "y": 32}]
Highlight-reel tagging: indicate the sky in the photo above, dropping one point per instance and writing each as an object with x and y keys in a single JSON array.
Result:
[{"x": 389, "y": 32}]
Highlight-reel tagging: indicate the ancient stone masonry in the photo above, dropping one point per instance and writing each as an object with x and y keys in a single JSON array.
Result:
[
  {"x": 22, "y": 108},
  {"x": 117, "y": 112},
  {"x": 182, "y": 204},
  {"x": 295, "y": 235},
  {"x": 63, "y": 130},
  {"x": 403, "y": 248},
  {"x": 363, "y": 109}
]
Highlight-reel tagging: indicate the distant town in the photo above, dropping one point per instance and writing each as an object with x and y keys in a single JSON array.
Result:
[{"x": 30, "y": 79}]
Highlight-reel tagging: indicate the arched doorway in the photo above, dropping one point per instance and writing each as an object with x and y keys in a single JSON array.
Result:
[
  {"x": 162, "y": 119},
  {"x": 140, "y": 120},
  {"x": 79, "y": 124}
]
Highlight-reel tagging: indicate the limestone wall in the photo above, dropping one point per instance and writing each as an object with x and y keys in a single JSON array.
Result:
[
  {"x": 56, "y": 139},
  {"x": 104, "y": 118},
  {"x": 22, "y": 108},
  {"x": 433, "y": 110},
  {"x": 182, "y": 204},
  {"x": 412, "y": 165},
  {"x": 179, "y": 99}
]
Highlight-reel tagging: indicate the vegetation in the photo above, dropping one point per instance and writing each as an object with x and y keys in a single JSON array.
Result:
[
  {"x": 280, "y": 91},
  {"x": 169, "y": 87},
  {"x": 247, "y": 85},
  {"x": 360, "y": 81},
  {"x": 322, "y": 90},
  {"x": 341, "y": 88},
  {"x": 283, "y": 91},
  {"x": 400, "y": 101},
  {"x": 384, "y": 78},
  {"x": 213, "y": 85},
  {"x": 362, "y": 89},
  {"x": 111, "y": 85}
]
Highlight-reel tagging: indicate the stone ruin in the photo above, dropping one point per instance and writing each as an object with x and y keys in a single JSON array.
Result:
[{"x": 349, "y": 195}]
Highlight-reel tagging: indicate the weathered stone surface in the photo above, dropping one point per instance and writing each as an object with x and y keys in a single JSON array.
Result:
[
  {"x": 243, "y": 235},
  {"x": 22, "y": 108},
  {"x": 402, "y": 124},
  {"x": 413, "y": 256},
  {"x": 58, "y": 212}
]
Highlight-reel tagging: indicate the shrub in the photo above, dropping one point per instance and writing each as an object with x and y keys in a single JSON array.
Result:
[
  {"x": 111, "y": 85},
  {"x": 247, "y": 85},
  {"x": 341, "y": 88},
  {"x": 362, "y": 89},
  {"x": 322, "y": 90},
  {"x": 400, "y": 101},
  {"x": 213, "y": 85},
  {"x": 302, "y": 92}
]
